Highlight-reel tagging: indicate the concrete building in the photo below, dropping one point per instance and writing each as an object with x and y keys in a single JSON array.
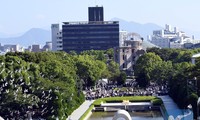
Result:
[
  {"x": 35, "y": 48},
  {"x": 122, "y": 37},
  {"x": 127, "y": 54},
  {"x": 192, "y": 45},
  {"x": 47, "y": 46},
  {"x": 95, "y": 34},
  {"x": 169, "y": 38},
  {"x": 56, "y": 35},
  {"x": 12, "y": 48}
]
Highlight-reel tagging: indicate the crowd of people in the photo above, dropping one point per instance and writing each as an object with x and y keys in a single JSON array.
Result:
[{"x": 131, "y": 88}]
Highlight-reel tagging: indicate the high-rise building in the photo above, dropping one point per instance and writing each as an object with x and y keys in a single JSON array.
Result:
[
  {"x": 56, "y": 36},
  {"x": 95, "y": 14},
  {"x": 122, "y": 37},
  {"x": 80, "y": 36},
  {"x": 95, "y": 34}
]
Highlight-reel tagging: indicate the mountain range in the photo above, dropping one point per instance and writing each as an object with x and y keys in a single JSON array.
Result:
[
  {"x": 142, "y": 29},
  {"x": 41, "y": 36},
  {"x": 32, "y": 36}
]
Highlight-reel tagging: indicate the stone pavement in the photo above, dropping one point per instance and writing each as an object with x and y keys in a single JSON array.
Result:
[{"x": 79, "y": 111}]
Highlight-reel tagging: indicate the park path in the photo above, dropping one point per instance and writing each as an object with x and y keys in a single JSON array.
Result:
[
  {"x": 170, "y": 106},
  {"x": 79, "y": 111}
]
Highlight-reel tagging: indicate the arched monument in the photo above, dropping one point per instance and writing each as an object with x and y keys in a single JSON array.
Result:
[
  {"x": 122, "y": 114},
  {"x": 1, "y": 118},
  {"x": 171, "y": 117}
]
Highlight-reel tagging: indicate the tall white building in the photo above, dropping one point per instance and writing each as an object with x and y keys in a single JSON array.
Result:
[
  {"x": 12, "y": 48},
  {"x": 56, "y": 37},
  {"x": 122, "y": 37},
  {"x": 169, "y": 38}
]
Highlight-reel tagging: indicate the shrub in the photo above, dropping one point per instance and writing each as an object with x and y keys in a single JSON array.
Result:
[{"x": 157, "y": 102}]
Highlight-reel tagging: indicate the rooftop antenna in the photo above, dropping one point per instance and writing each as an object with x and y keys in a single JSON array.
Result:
[{"x": 96, "y": 3}]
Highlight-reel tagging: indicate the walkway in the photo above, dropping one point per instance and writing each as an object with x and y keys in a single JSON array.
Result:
[
  {"x": 170, "y": 106},
  {"x": 79, "y": 111}
]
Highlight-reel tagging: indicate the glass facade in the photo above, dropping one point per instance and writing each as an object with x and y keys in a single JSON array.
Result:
[{"x": 87, "y": 36}]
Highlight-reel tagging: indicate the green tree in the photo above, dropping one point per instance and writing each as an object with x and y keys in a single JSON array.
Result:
[
  {"x": 41, "y": 85},
  {"x": 144, "y": 68},
  {"x": 113, "y": 71},
  {"x": 110, "y": 53},
  {"x": 162, "y": 71},
  {"x": 122, "y": 78},
  {"x": 89, "y": 70}
]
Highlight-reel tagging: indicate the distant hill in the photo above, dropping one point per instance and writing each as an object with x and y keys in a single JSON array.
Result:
[
  {"x": 147, "y": 29},
  {"x": 142, "y": 29},
  {"x": 33, "y": 36},
  {"x": 41, "y": 36}
]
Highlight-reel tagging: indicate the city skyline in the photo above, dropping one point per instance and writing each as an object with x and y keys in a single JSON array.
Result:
[{"x": 21, "y": 15}]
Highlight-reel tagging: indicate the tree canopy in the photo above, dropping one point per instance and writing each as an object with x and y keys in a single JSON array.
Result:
[
  {"x": 49, "y": 84},
  {"x": 174, "y": 69}
]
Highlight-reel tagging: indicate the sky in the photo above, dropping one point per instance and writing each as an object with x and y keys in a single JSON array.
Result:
[{"x": 18, "y": 16}]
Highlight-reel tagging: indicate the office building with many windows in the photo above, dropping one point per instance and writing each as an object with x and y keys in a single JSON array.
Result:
[
  {"x": 99, "y": 35},
  {"x": 94, "y": 34}
]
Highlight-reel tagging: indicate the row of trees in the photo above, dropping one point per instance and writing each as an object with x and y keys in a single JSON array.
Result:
[
  {"x": 171, "y": 67},
  {"x": 49, "y": 84}
]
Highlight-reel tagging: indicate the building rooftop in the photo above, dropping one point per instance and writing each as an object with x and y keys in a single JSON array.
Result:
[{"x": 90, "y": 22}]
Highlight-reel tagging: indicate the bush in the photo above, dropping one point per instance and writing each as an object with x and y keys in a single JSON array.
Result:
[{"x": 157, "y": 102}]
